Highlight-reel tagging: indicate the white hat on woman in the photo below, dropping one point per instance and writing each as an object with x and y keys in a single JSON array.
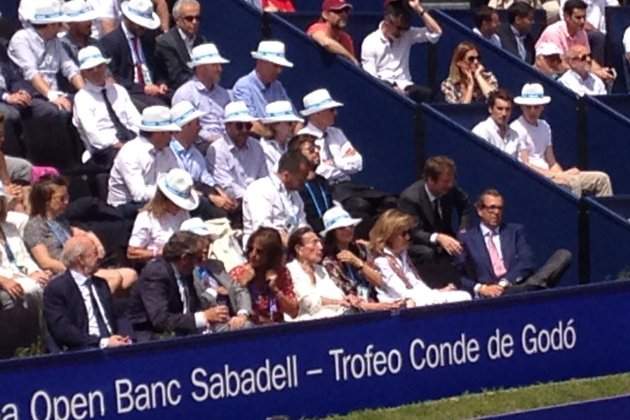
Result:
[
  {"x": 177, "y": 186},
  {"x": 337, "y": 217}
]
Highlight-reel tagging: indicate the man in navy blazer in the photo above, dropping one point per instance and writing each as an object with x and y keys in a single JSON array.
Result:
[
  {"x": 516, "y": 36},
  {"x": 496, "y": 258},
  {"x": 78, "y": 305}
]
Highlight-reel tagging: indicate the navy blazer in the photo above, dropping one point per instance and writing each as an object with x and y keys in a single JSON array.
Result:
[
  {"x": 508, "y": 42},
  {"x": 114, "y": 45},
  {"x": 65, "y": 314},
  {"x": 172, "y": 57},
  {"x": 474, "y": 262},
  {"x": 156, "y": 304}
]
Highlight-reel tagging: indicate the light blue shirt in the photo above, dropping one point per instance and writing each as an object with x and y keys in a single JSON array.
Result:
[
  {"x": 256, "y": 95},
  {"x": 192, "y": 161},
  {"x": 212, "y": 102}
]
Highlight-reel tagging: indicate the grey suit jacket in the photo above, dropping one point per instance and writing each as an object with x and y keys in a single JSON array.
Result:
[{"x": 239, "y": 298}]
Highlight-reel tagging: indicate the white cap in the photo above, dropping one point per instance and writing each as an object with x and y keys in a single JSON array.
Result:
[
  {"x": 90, "y": 57},
  {"x": 206, "y": 54},
  {"x": 280, "y": 111},
  {"x": 237, "y": 112},
  {"x": 548, "y": 48},
  {"x": 79, "y": 11},
  {"x": 177, "y": 186},
  {"x": 318, "y": 100},
  {"x": 141, "y": 12},
  {"x": 156, "y": 119},
  {"x": 272, "y": 51},
  {"x": 532, "y": 94}
]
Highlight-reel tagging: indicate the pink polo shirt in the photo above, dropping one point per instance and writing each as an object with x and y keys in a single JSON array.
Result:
[{"x": 558, "y": 34}]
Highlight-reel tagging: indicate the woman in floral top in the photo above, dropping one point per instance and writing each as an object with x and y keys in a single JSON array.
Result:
[
  {"x": 266, "y": 278},
  {"x": 467, "y": 79},
  {"x": 347, "y": 260}
]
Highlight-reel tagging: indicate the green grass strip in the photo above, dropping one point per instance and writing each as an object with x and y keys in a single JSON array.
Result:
[{"x": 502, "y": 401}]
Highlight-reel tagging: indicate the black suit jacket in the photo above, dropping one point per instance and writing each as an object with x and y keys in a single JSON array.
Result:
[
  {"x": 114, "y": 45},
  {"x": 415, "y": 201},
  {"x": 156, "y": 304},
  {"x": 172, "y": 57},
  {"x": 65, "y": 314},
  {"x": 508, "y": 42}
]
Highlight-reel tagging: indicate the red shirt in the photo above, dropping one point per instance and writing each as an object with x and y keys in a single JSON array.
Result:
[
  {"x": 340, "y": 36},
  {"x": 281, "y": 5}
]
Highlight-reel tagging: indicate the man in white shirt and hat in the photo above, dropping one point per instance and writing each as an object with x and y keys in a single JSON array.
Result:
[
  {"x": 132, "y": 47},
  {"x": 205, "y": 93},
  {"x": 214, "y": 202},
  {"x": 236, "y": 159},
  {"x": 261, "y": 86},
  {"x": 141, "y": 161},
  {"x": 537, "y": 147},
  {"x": 103, "y": 112},
  {"x": 274, "y": 201}
]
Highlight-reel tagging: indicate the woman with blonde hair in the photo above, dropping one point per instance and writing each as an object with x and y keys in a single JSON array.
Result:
[
  {"x": 467, "y": 81},
  {"x": 389, "y": 242}
]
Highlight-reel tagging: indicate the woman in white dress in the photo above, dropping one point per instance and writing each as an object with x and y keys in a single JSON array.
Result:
[
  {"x": 317, "y": 294},
  {"x": 163, "y": 215},
  {"x": 389, "y": 241}
]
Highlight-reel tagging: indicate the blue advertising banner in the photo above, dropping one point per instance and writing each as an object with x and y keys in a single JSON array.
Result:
[{"x": 334, "y": 366}]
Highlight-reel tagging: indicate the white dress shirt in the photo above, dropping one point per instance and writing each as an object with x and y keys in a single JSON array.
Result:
[
  {"x": 82, "y": 283},
  {"x": 309, "y": 294},
  {"x": 234, "y": 168},
  {"x": 273, "y": 152},
  {"x": 389, "y": 60},
  {"x": 134, "y": 175},
  {"x": 151, "y": 232},
  {"x": 267, "y": 203},
  {"x": 592, "y": 85},
  {"x": 535, "y": 139},
  {"x": 338, "y": 158},
  {"x": 489, "y": 131},
  {"x": 92, "y": 120}
]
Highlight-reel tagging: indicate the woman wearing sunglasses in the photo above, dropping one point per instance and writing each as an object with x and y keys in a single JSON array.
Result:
[
  {"x": 467, "y": 81},
  {"x": 389, "y": 242}
]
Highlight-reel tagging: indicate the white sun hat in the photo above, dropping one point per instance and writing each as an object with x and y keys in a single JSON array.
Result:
[
  {"x": 184, "y": 112},
  {"x": 157, "y": 118},
  {"x": 177, "y": 186},
  {"x": 45, "y": 12},
  {"x": 90, "y": 57},
  {"x": 532, "y": 94},
  {"x": 280, "y": 111},
  {"x": 141, "y": 12},
  {"x": 548, "y": 48},
  {"x": 79, "y": 11},
  {"x": 272, "y": 51},
  {"x": 206, "y": 54},
  {"x": 318, "y": 100},
  {"x": 237, "y": 112},
  {"x": 197, "y": 226},
  {"x": 337, "y": 217}
]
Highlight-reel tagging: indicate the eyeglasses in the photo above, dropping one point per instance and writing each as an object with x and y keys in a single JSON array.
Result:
[
  {"x": 473, "y": 58},
  {"x": 192, "y": 18},
  {"x": 243, "y": 126},
  {"x": 583, "y": 57}
]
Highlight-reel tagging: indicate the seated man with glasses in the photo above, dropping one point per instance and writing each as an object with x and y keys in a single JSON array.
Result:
[
  {"x": 236, "y": 159},
  {"x": 385, "y": 52},
  {"x": 496, "y": 259},
  {"x": 579, "y": 78},
  {"x": 173, "y": 49}
]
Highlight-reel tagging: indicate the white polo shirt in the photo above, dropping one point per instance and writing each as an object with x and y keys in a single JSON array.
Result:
[
  {"x": 389, "y": 60},
  {"x": 489, "y": 131}
]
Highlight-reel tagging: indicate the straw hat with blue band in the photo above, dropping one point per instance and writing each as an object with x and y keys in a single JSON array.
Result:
[
  {"x": 47, "y": 11},
  {"x": 79, "y": 11},
  {"x": 177, "y": 186},
  {"x": 206, "y": 54},
  {"x": 184, "y": 112},
  {"x": 273, "y": 52},
  {"x": 280, "y": 111},
  {"x": 90, "y": 57},
  {"x": 318, "y": 100},
  {"x": 140, "y": 12},
  {"x": 157, "y": 119},
  {"x": 237, "y": 112},
  {"x": 532, "y": 94}
]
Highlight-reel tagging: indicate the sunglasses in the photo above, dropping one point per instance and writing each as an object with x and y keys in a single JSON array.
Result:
[
  {"x": 243, "y": 126},
  {"x": 192, "y": 18},
  {"x": 473, "y": 58},
  {"x": 583, "y": 57}
]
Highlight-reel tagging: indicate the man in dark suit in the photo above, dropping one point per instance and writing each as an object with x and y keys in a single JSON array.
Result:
[
  {"x": 131, "y": 48},
  {"x": 173, "y": 49},
  {"x": 433, "y": 201},
  {"x": 78, "y": 305},
  {"x": 165, "y": 299},
  {"x": 496, "y": 258},
  {"x": 516, "y": 37}
]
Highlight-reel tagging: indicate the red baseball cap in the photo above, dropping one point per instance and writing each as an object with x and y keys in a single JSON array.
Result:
[{"x": 329, "y": 5}]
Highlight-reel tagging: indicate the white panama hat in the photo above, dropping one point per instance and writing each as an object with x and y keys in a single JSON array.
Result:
[
  {"x": 90, "y": 57},
  {"x": 206, "y": 54},
  {"x": 79, "y": 11},
  {"x": 140, "y": 12},
  {"x": 532, "y": 94},
  {"x": 177, "y": 186},
  {"x": 337, "y": 217},
  {"x": 318, "y": 100},
  {"x": 156, "y": 119},
  {"x": 272, "y": 51},
  {"x": 184, "y": 112},
  {"x": 237, "y": 112},
  {"x": 280, "y": 111},
  {"x": 45, "y": 12}
]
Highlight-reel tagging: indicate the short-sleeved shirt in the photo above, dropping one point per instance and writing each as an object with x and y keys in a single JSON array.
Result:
[
  {"x": 340, "y": 36},
  {"x": 535, "y": 139},
  {"x": 557, "y": 34},
  {"x": 152, "y": 232},
  {"x": 51, "y": 233}
]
